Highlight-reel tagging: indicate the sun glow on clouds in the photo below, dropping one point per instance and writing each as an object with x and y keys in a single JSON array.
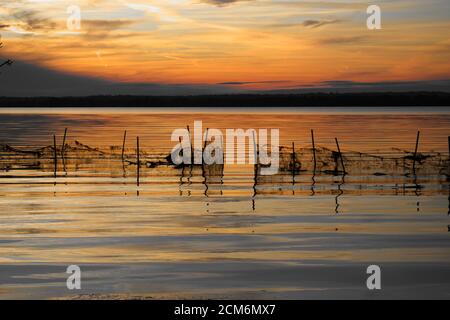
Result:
[{"x": 248, "y": 43}]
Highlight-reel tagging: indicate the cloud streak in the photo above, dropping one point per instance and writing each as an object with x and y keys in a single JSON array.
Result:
[
  {"x": 222, "y": 3},
  {"x": 318, "y": 23}
]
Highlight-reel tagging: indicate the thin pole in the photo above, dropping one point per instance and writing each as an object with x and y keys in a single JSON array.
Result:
[
  {"x": 448, "y": 161},
  {"x": 55, "y": 155},
  {"x": 206, "y": 138},
  {"x": 293, "y": 159},
  {"x": 449, "y": 147},
  {"x": 340, "y": 155},
  {"x": 256, "y": 153},
  {"x": 204, "y": 144},
  {"x": 203, "y": 164},
  {"x": 138, "y": 160},
  {"x": 314, "y": 149},
  {"x": 415, "y": 151},
  {"x": 123, "y": 144},
  {"x": 190, "y": 142},
  {"x": 223, "y": 149},
  {"x": 64, "y": 143},
  {"x": 255, "y": 148}
]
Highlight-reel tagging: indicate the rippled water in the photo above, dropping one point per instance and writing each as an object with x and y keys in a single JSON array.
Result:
[{"x": 180, "y": 234}]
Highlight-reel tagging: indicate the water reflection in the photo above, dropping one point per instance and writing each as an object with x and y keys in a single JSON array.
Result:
[
  {"x": 110, "y": 202},
  {"x": 339, "y": 193},
  {"x": 313, "y": 184}
]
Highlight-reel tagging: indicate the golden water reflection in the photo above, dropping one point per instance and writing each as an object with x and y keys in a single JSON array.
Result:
[{"x": 92, "y": 211}]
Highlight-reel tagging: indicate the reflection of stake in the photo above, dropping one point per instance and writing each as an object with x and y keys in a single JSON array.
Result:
[
  {"x": 256, "y": 155},
  {"x": 417, "y": 188},
  {"x": 313, "y": 192},
  {"x": 340, "y": 193},
  {"x": 415, "y": 152}
]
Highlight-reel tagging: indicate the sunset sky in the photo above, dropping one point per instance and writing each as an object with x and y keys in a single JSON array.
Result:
[{"x": 247, "y": 44}]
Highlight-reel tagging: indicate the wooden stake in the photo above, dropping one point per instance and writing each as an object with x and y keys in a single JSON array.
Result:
[
  {"x": 256, "y": 152},
  {"x": 55, "y": 155},
  {"x": 123, "y": 144},
  {"x": 340, "y": 155},
  {"x": 206, "y": 139},
  {"x": 449, "y": 147},
  {"x": 223, "y": 149},
  {"x": 204, "y": 145},
  {"x": 415, "y": 151},
  {"x": 203, "y": 164},
  {"x": 448, "y": 173},
  {"x": 64, "y": 143},
  {"x": 293, "y": 158},
  {"x": 255, "y": 148},
  {"x": 138, "y": 160},
  {"x": 192, "y": 148},
  {"x": 314, "y": 150}
]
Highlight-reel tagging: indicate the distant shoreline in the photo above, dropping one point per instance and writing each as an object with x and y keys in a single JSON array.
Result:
[{"x": 394, "y": 99}]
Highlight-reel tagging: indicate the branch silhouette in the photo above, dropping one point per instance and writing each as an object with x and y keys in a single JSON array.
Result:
[{"x": 7, "y": 62}]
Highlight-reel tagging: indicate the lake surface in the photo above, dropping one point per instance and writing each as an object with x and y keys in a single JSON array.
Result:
[{"x": 191, "y": 233}]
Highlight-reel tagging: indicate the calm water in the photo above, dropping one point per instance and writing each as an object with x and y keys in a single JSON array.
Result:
[{"x": 181, "y": 234}]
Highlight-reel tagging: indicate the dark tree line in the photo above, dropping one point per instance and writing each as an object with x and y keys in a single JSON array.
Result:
[{"x": 358, "y": 100}]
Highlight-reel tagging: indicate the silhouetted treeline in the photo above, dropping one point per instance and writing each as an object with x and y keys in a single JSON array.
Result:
[{"x": 240, "y": 100}]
